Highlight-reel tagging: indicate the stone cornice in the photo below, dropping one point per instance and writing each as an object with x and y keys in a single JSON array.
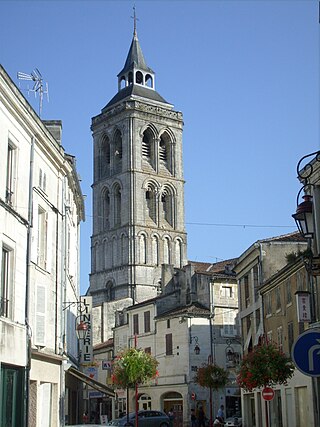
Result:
[{"x": 138, "y": 106}]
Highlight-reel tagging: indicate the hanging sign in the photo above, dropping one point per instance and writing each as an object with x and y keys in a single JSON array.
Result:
[
  {"x": 303, "y": 306},
  {"x": 86, "y": 316}
]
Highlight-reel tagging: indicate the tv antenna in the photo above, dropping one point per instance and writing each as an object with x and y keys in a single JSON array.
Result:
[{"x": 37, "y": 88}]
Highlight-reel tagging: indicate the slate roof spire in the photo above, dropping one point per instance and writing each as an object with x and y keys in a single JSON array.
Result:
[
  {"x": 136, "y": 79},
  {"x": 135, "y": 70}
]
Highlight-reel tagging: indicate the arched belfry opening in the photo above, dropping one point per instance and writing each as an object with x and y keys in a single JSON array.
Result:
[{"x": 138, "y": 189}]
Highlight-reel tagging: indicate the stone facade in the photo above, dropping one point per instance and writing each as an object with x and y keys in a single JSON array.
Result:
[
  {"x": 171, "y": 326},
  {"x": 41, "y": 207},
  {"x": 260, "y": 269},
  {"x": 138, "y": 195}
]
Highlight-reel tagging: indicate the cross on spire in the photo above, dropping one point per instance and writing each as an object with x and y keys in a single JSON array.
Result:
[{"x": 135, "y": 19}]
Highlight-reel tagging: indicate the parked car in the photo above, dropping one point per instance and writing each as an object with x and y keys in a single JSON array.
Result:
[
  {"x": 145, "y": 419},
  {"x": 234, "y": 421}
]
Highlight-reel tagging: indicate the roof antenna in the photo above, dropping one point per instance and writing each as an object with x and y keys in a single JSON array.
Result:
[
  {"x": 36, "y": 77},
  {"x": 135, "y": 19}
]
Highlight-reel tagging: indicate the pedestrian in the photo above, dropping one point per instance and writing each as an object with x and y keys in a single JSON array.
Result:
[
  {"x": 85, "y": 418},
  {"x": 201, "y": 418},
  {"x": 171, "y": 417},
  {"x": 220, "y": 414},
  {"x": 193, "y": 418}
]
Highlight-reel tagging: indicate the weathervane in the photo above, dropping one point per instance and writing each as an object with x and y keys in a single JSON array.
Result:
[{"x": 36, "y": 77}]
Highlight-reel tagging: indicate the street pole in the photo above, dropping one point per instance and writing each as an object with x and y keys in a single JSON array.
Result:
[
  {"x": 267, "y": 413},
  {"x": 136, "y": 394},
  {"x": 210, "y": 358}
]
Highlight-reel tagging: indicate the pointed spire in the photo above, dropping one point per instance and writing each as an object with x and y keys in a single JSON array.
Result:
[{"x": 135, "y": 58}]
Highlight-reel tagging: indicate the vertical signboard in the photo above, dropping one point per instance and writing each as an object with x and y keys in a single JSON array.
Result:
[
  {"x": 303, "y": 306},
  {"x": 86, "y": 345}
]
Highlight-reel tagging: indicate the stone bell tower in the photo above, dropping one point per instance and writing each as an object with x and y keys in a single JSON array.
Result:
[{"x": 138, "y": 189}]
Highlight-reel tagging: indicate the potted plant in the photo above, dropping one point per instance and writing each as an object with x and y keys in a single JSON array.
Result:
[
  {"x": 132, "y": 367},
  {"x": 264, "y": 366}
]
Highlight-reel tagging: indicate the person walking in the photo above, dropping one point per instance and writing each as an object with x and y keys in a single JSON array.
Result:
[
  {"x": 201, "y": 418},
  {"x": 220, "y": 414},
  {"x": 193, "y": 418},
  {"x": 171, "y": 417}
]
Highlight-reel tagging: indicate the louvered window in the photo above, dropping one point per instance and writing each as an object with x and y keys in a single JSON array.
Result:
[
  {"x": 117, "y": 206},
  {"x": 167, "y": 207},
  {"x": 106, "y": 210},
  {"x": 117, "y": 152},
  {"x": 146, "y": 147},
  {"x": 151, "y": 204},
  {"x": 163, "y": 150}
]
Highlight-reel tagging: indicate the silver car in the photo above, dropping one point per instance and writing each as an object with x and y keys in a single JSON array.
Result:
[
  {"x": 145, "y": 419},
  {"x": 235, "y": 421}
]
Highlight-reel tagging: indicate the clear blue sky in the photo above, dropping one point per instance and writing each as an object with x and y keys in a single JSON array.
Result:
[{"x": 245, "y": 74}]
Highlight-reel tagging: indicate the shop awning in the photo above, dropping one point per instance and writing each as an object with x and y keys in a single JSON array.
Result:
[{"x": 91, "y": 382}]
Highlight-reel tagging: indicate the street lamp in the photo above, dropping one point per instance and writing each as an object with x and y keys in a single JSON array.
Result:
[
  {"x": 232, "y": 357},
  {"x": 81, "y": 329},
  {"x": 304, "y": 216},
  {"x": 197, "y": 347}
]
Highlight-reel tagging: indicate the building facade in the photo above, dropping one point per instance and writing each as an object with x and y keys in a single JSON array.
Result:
[
  {"x": 294, "y": 403},
  {"x": 138, "y": 193},
  {"x": 254, "y": 268},
  {"x": 192, "y": 322},
  {"x": 41, "y": 207}
]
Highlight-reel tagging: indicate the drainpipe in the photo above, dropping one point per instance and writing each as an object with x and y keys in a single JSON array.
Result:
[{"x": 28, "y": 261}]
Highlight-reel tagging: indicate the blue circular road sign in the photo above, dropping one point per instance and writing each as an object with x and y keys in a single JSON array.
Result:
[{"x": 306, "y": 353}]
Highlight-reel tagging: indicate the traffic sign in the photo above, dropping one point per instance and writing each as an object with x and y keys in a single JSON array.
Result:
[
  {"x": 306, "y": 353},
  {"x": 268, "y": 393}
]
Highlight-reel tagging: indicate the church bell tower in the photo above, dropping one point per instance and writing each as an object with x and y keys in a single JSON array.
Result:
[{"x": 138, "y": 189}]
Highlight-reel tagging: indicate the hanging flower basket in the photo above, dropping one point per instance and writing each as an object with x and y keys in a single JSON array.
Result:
[
  {"x": 133, "y": 366},
  {"x": 264, "y": 366},
  {"x": 211, "y": 376}
]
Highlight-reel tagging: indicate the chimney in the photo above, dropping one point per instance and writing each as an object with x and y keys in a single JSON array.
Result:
[{"x": 55, "y": 128}]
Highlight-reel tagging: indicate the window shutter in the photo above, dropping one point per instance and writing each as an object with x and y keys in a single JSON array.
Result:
[
  {"x": 147, "y": 321},
  {"x": 49, "y": 250},
  {"x": 136, "y": 324},
  {"x": 40, "y": 315},
  {"x": 168, "y": 344},
  {"x": 34, "y": 239}
]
